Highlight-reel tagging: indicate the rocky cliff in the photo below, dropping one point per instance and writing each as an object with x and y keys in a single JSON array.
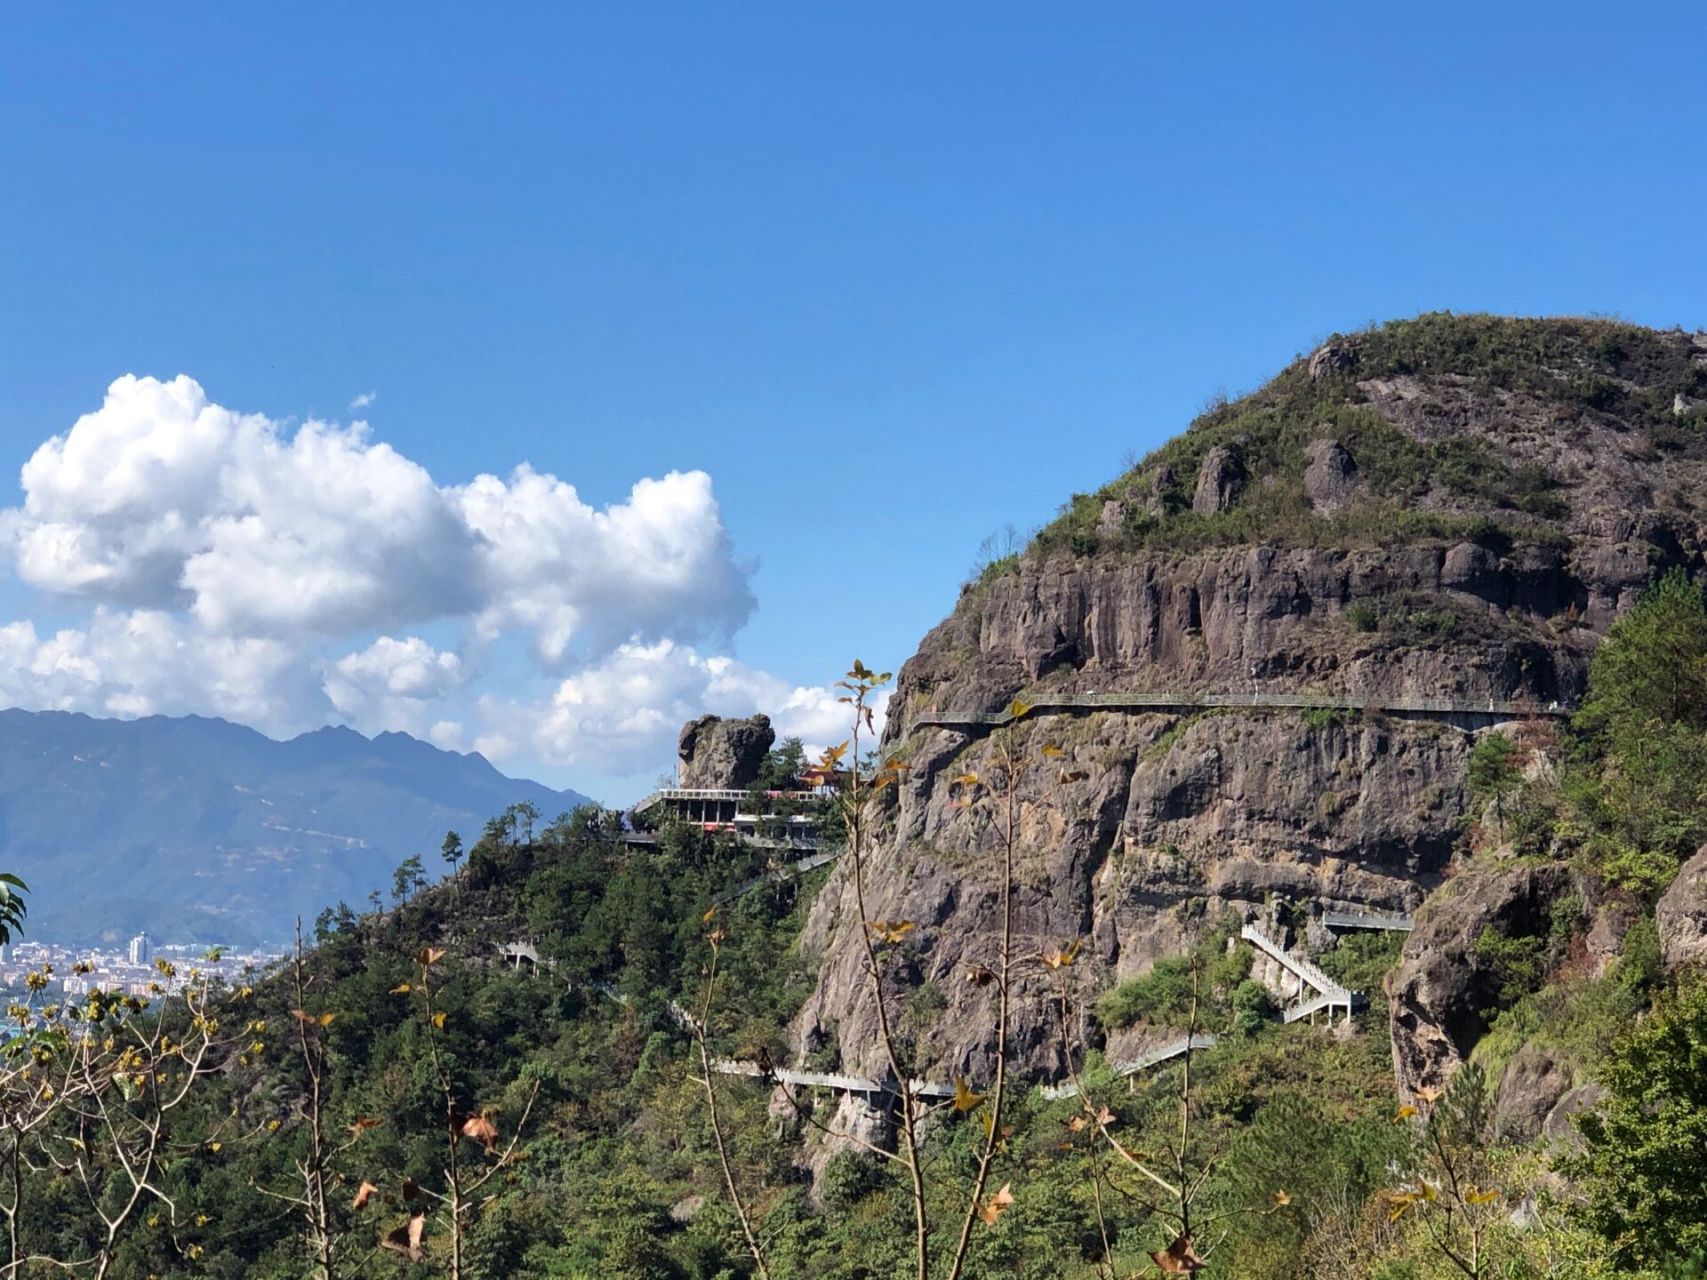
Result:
[{"x": 1445, "y": 510}]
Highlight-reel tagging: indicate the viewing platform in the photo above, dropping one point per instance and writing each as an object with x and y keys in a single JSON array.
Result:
[{"x": 713, "y": 809}]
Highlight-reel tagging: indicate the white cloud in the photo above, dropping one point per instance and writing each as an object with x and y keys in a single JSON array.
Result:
[
  {"x": 147, "y": 662},
  {"x": 364, "y": 400},
  {"x": 230, "y": 564},
  {"x": 163, "y": 499},
  {"x": 660, "y": 563},
  {"x": 395, "y": 684},
  {"x": 621, "y": 716}
]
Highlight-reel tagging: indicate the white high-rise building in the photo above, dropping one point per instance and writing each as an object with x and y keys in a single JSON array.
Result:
[{"x": 140, "y": 952}]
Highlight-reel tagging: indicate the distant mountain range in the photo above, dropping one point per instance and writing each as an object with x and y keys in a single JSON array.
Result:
[{"x": 194, "y": 828}]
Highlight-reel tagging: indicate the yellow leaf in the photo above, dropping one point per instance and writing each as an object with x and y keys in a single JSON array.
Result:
[
  {"x": 1018, "y": 709},
  {"x": 710, "y": 915},
  {"x": 401, "y": 989},
  {"x": 891, "y": 931},
  {"x": 426, "y": 957},
  {"x": 439, "y": 1019},
  {"x": 1481, "y": 1197},
  {"x": 325, "y": 1019},
  {"x": 1404, "y": 1113},
  {"x": 964, "y": 1098},
  {"x": 1429, "y": 1093},
  {"x": 1052, "y": 751},
  {"x": 1281, "y": 1199},
  {"x": 1061, "y": 957},
  {"x": 966, "y": 780}
]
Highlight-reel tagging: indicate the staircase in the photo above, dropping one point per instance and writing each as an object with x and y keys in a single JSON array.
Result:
[{"x": 1330, "y": 995}]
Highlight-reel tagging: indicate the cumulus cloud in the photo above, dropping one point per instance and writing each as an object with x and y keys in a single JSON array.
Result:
[
  {"x": 146, "y": 662},
  {"x": 362, "y": 401},
  {"x": 163, "y": 499},
  {"x": 662, "y": 564},
  {"x": 621, "y": 715},
  {"x": 227, "y": 563},
  {"x": 396, "y": 684}
]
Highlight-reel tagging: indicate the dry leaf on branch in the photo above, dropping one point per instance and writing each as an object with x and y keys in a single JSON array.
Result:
[
  {"x": 997, "y": 1204},
  {"x": 406, "y": 1239},
  {"x": 1179, "y": 1258}
]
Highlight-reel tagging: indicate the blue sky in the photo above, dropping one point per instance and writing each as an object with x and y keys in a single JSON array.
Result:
[{"x": 894, "y": 276}]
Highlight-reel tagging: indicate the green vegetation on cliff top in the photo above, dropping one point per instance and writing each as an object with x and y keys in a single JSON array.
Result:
[{"x": 1474, "y": 375}]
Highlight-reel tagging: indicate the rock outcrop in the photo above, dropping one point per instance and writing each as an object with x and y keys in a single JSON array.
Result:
[
  {"x": 1331, "y": 477},
  {"x": 1447, "y": 977},
  {"x": 719, "y": 753},
  {"x": 1681, "y": 915},
  {"x": 1332, "y": 358},
  {"x": 1529, "y": 1092},
  {"x": 1404, "y": 530},
  {"x": 1220, "y": 481}
]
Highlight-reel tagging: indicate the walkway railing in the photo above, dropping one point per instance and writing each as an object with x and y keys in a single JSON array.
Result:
[
  {"x": 1330, "y": 994},
  {"x": 722, "y": 795},
  {"x": 1155, "y": 1057},
  {"x": 825, "y": 1080},
  {"x": 1491, "y": 709},
  {"x": 1367, "y": 920}
]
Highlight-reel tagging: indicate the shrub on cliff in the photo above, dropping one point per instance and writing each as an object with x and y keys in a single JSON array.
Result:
[
  {"x": 1644, "y": 734},
  {"x": 1642, "y": 1161}
]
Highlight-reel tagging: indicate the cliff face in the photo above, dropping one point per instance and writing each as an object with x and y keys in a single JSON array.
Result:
[{"x": 1442, "y": 510}]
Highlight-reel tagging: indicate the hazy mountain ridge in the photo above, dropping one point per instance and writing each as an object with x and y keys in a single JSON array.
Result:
[{"x": 197, "y": 826}]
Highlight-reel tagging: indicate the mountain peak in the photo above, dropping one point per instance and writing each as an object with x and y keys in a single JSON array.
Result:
[{"x": 197, "y": 825}]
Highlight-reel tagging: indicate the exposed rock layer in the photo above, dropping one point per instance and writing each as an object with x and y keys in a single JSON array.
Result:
[
  {"x": 1150, "y": 825},
  {"x": 1449, "y": 975}
]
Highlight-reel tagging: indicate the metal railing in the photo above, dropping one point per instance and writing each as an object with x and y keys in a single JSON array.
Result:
[
  {"x": 1143, "y": 1062},
  {"x": 1367, "y": 920},
  {"x": 1045, "y": 704}
]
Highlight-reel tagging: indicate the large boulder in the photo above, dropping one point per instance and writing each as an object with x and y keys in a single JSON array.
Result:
[
  {"x": 723, "y": 754},
  {"x": 1332, "y": 358},
  {"x": 1438, "y": 995},
  {"x": 1331, "y": 477},
  {"x": 1220, "y": 481},
  {"x": 1533, "y": 1085},
  {"x": 1161, "y": 485},
  {"x": 1682, "y": 915}
]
